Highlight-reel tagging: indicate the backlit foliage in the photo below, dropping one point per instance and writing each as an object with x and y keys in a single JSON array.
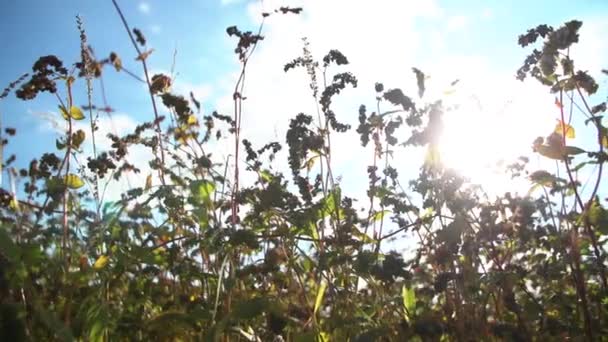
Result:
[{"x": 194, "y": 256}]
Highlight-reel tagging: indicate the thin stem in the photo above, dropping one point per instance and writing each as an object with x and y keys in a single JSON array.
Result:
[
  {"x": 237, "y": 96},
  {"x": 145, "y": 67},
  {"x": 580, "y": 281}
]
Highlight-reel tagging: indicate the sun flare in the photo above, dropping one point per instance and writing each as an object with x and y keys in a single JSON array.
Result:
[{"x": 479, "y": 136}]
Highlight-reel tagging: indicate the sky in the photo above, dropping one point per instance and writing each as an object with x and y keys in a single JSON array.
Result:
[{"x": 473, "y": 41}]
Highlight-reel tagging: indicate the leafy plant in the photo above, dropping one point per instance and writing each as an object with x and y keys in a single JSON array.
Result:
[{"x": 196, "y": 255}]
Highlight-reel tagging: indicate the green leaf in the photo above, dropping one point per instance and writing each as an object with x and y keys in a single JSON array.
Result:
[
  {"x": 451, "y": 234},
  {"x": 320, "y": 295},
  {"x": 409, "y": 301},
  {"x": 266, "y": 175},
  {"x": 97, "y": 331},
  {"x": 202, "y": 191},
  {"x": 251, "y": 308},
  {"x": 581, "y": 165},
  {"x": 379, "y": 215},
  {"x": 59, "y": 144},
  {"x": 309, "y": 336},
  {"x": 74, "y": 113},
  {"x": 598, "y": 217},
  {"x": 310, "y": 229},
  {"x": 362, "y": 237},
  {"x": 331, "y": 201},
  {"x": 174, "y": 322},
  {"x": 50, "y": 320},
  {"x": 73, "y": 182},
  {"x": 572, "y": 150},
  {"x": 8, "y": 247},
  {"x": 310, "y": 163}
]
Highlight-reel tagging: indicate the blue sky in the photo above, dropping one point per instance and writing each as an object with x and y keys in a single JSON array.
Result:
[{"x": 474, "y": 41}]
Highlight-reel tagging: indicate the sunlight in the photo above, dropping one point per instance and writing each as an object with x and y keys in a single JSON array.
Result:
[{"x": 478, "y": 137}]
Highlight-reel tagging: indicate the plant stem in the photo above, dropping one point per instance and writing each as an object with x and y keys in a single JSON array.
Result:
[{"x": 156, "y": 116}]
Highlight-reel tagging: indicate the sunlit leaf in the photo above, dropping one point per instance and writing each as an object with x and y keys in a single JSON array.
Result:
[
  {"x": 320, "y": 295},
  {"x": 101, "y": 262},
  {"x": 248, "y": 335},
  {"x": 307, "y": 228},
  {"x": 408, "y": 295},
  {"x": 72, "y": 181},
  {"x": 192, "y": 120},
  {"x": 310, "y": 162},
  {"x": 183, "y": 133},
  {"x": 533, "y": 188},
  {"x": 363, "y": 237},
  {"x": 266, "y": 175},
  {"x": 331, "y": 201},
  {"x": 148, "y": 182},
  {"x": 432, "y": 158},
  {"x": 562, "y": 127},
  {"x": 14, "y": 204},
  {"x": 64, "y": 112},
  {"x": 202, "y": 191},
  {"x": 379, "y": 215},
  {"x": 74, "y": 113},
  {"x": 598, "y": 216}
]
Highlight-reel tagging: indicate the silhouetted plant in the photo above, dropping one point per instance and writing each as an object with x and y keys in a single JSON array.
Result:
[{"x": 194, "y": 255}]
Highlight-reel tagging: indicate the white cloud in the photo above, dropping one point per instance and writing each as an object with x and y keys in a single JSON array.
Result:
[
  {"x": 457, "y": 22},
  {"x": 382, "y": 42},
  {"x": 202, "y": 91},
  {"x": 118, "y": 124},
  {"x": 587, "y": 54},
  {"x": 144, "y": 7}
]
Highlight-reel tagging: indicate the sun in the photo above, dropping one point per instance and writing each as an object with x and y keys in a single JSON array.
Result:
[{"x": 486, "y": 131}]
